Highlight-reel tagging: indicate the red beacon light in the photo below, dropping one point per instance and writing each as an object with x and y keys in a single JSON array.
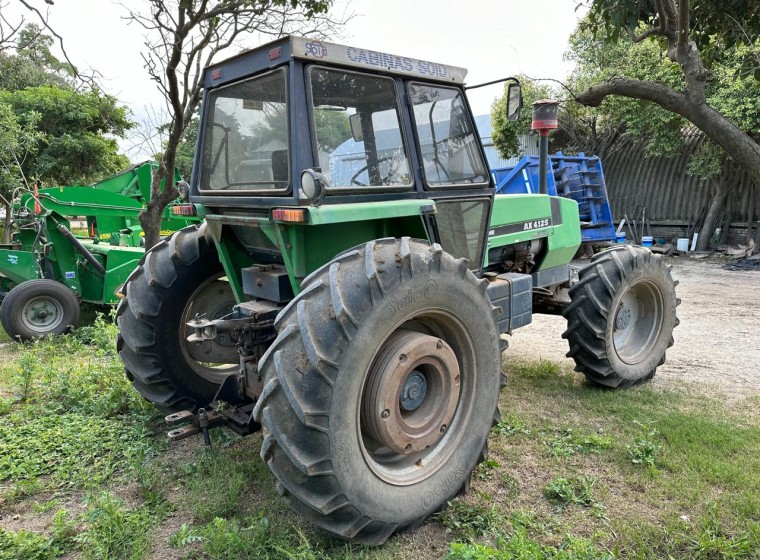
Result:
[
  {"x": 544, "y": 115},
  {"x": 544, "y": 120}
]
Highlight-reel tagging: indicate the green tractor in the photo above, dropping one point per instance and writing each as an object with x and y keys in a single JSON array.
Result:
[{"x": 348, "y": 204}]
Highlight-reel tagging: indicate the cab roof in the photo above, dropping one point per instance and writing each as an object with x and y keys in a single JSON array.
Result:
[{"x": 280, "y": 51}]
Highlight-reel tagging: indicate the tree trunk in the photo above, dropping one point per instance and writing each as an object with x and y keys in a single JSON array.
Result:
[
  {"x": 7, "y": 224},
  {"x": 150, "y": 220},
  {"x": 750, "y": 214},
  {"x": 711, "y": 219}
]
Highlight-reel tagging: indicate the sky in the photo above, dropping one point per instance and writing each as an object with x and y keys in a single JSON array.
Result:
[{"x": 491, "y": 38}]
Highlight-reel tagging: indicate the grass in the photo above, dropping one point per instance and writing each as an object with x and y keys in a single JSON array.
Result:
[{"x": 573, "y": 472}]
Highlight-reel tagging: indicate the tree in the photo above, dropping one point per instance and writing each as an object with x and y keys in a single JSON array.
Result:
[
  {"x": 716, "y": 56},
  {"x": 17, "y": 142},
  {"x": 694, "y": 39},
  {"x": 32, "y": 63},
  {"x": 184, "y": 36},
  {"x": 75, "y": 143}
]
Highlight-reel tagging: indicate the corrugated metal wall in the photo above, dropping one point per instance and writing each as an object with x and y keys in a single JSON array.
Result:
[{"x": 667, "y": 191}]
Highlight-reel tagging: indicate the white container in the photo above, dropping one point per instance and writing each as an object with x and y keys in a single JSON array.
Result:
[{"x": 682, "y": 244}]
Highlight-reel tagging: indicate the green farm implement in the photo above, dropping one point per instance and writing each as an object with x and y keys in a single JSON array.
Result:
[
  {"x": 51, "y": 266},
  {"x": 376, "y": 277}
]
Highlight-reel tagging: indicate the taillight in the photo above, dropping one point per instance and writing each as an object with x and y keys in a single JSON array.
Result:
[
  {"x": 184, "y": 210},
  {"x": 289, "y": 215}
]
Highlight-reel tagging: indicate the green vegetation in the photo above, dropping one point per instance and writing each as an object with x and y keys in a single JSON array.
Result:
[{"x": 574, "y": 472}]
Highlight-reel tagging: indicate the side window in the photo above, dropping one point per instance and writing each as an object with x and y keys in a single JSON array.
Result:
[
  {"x": 245, "y": 144},
  {"x": 448, "y": 142},
  {"x": 357, "y": 130}
]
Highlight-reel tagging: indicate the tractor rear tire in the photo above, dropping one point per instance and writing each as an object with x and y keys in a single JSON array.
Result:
[
  {"x": 177, "y": 279},
  {"x": 621, "y": 317},
  {"x": 38, "y": 308},
  {"x": 380, "y": 389}
]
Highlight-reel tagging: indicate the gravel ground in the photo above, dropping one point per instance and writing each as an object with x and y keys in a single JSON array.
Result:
[{"x": 717, "y": 343}]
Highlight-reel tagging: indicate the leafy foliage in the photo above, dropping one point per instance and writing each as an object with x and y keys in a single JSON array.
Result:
[
  {"x": 114, "y": 531},
  {"x": 32, "y": 64},
  {"x": 75, "y": 130},
  {"x": 576, "y": 490},
  {"x": 572, "y": 443},
  {"x": 646, "y": 446}
]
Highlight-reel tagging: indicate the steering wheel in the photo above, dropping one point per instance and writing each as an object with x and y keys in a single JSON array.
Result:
[{"x": 386, "y": 180}]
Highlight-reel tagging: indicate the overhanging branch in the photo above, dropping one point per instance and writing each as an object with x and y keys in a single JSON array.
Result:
[{"x": 650, "y": 91}]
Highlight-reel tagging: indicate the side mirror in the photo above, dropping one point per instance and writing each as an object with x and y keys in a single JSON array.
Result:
[
  {"x": 355, "y": 121},
  {"x": 514, "y": 101}
]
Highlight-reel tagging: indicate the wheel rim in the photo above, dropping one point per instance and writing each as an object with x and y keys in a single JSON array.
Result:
[
  {"x": 417, "y": 397},
  {"x": 212, "y": 300},
  {"x": 42, "y": 314},
  {"x": 637, "y": 322}
]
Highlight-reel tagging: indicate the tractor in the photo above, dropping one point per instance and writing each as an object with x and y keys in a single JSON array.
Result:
[{"x": 377, "y": 277}]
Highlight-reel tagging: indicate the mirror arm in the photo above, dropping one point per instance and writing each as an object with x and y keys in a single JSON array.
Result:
[{"x": 509, "y": 79}]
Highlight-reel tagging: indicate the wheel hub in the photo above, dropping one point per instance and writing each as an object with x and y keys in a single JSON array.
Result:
[
  {"x": 411, "y": 392},
  {"x": 42, "y": 313},
  {"x": 623, "y": 318}
]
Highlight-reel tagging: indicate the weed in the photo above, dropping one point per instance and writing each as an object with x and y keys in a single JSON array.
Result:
[
  {"x": 711, "y": 540},
  {"x": 510, "y": 485},
  {"x": 253, "y": 538},
  {"x": 72, "y": 448},
  {"x": 216, "y": 488},
  {"x": 571, "y": 443},
  {"x": 510, "y": 427},
  {"x": 576, "y": 490},
  {"x": 28, "y": 365},
  {"x": 646, "y": 446},
  {"x": 520, "y": 546},
  {"x": 114, "y": 532},
  {"x": 468, "y": 522},
  {"x": 484, "y": 470},
  {"x": 6, "y": 405},
  {"x": 540, "y": 369},
  {"x": 32, "y": 545}
]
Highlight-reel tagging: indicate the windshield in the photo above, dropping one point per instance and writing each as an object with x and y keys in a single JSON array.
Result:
[
  {"x": 357, "y": 132},
  {"x": 245, "y": 144},
  {"x": 450, "y": 150}
]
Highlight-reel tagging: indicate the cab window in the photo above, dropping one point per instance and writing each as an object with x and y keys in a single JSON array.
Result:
[
  {"x": 245, "y": 142},
  {"x": 356, "y": 130},
  {"x": 448, "y": 143}
]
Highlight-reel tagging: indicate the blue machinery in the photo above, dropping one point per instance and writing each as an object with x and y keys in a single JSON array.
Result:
[{"x": 577, "y": 177}]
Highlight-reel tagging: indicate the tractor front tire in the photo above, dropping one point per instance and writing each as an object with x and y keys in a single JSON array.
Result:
[
  {"x": 621, "y": 317},
  {"x": 175, "y": 280},
  {"x": 380, "y": 389},
  {"x": 39, "y": 308}
]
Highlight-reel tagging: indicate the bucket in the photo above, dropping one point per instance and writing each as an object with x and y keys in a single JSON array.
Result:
[
  {"x": 620, "y": 237},
  {"x": 682, "y": 244},
  {"x": 647, "y": 241}
]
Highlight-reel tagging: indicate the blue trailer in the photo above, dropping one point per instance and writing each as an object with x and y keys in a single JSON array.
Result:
[{"x": 580, "y": 178}]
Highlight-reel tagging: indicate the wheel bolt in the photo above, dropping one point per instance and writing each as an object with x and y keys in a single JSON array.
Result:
[
  {"x": 402, "y": 358},
  {"x": 439, "y": 344},
  {"x": 443, "y": 428},
  {"x": 408, "y": 448},
  {"x": 385, "y": 413}
]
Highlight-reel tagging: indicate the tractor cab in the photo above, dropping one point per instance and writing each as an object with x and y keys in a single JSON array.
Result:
[{"x": 305, "y": 123}]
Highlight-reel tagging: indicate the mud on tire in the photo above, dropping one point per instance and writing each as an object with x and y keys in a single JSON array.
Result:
[
  {"x": 621, "y": 318},
  {"x": 174, "y": 280},
  {"x": 332, "y": 383}
]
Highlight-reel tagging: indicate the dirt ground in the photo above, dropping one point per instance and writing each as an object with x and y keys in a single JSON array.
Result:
[{"x": 717, "y": 343}]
